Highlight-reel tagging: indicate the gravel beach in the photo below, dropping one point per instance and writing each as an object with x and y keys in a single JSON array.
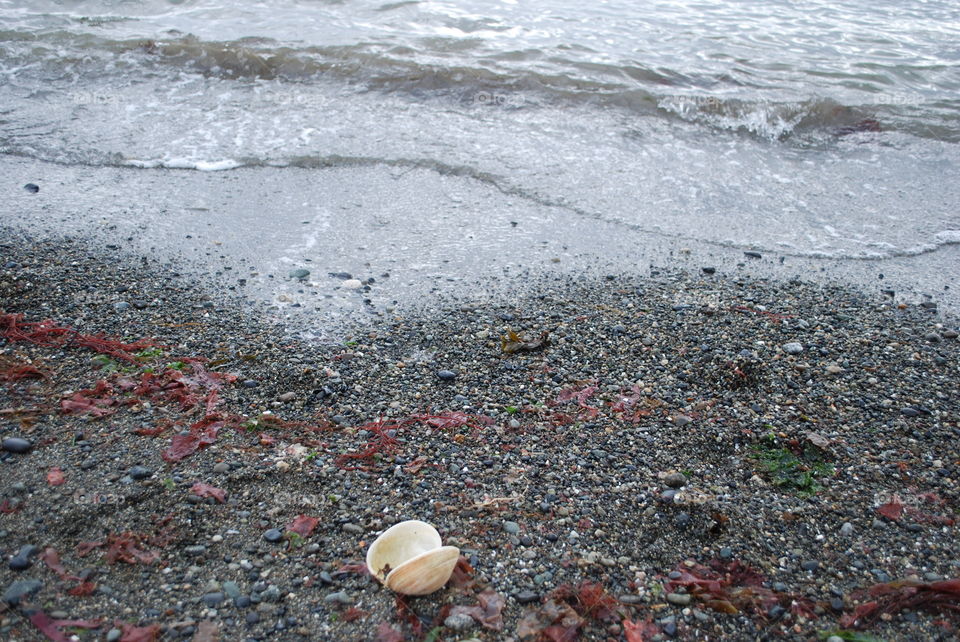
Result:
[{"x": 683, "y": 456}]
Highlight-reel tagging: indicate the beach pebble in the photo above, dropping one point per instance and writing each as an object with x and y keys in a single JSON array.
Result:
[
  {"x": 17, "y": 445},
  {"x": 353, "y": 528},
  {"x": 287, "y": 396},
  {"x": 792, "y": 347},
  {"x": 139, "y": 472},
  {"x": 511, "y": 527},
  {"x": 847, "y": 529},
  {"x": 339, "y": 597},
  {"x": 709, "y": 270},
  {"x": 526, "y": 597},
  {"x": 21, "y": 589},
  {"x": 300, "y": 274},
  {"x": 675, "y": 480},
  {"x": 221, "y": 467},
  {"x": 446, "y": 375},
  {"x": 353, "y": 284},
  {"x": 458, "y": 622},
  {"x": 273, "y": 535},
  {"x": 213, "y": 600},
  {"x": 679, "y": 599},
  {"x": 33, "y": 188}
]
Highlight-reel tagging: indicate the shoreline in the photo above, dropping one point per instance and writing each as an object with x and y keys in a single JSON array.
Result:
[{"x": 666, "y": 427}]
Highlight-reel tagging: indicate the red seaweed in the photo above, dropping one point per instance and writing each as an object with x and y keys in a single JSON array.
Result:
[{"x": 890, "y": 598}]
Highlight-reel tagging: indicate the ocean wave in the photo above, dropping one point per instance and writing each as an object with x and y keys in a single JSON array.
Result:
[{"x": 547, "y": 79}]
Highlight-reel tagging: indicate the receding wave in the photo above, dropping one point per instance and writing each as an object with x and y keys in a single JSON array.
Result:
[{"x": 544, "y": 79}]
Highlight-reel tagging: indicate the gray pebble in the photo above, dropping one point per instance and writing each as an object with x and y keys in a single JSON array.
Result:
[
  {"x": 221, "y": 467},
  {"x": 300, "y": 274},
  {"x": 511, "y": 527},
  {"x": 339, "y": 597},
  {"x": 525, "y": 597},
  {"x": 446, "y": 375},
  {"x": 458, "y": 622},
  {"x": 114, "y": 635},
  {"x": 847, "y": 529},
  {"x": 20, "y": 589},
  {"x": 17, "y": 445},
  {"x": 675, "y": 480},
  {"x": 353, "y": 528},
  {"x": 273, "y": 535},
  {"x": 792, "y": 348},
  {"x": 139, "y": 472},
  {"x": 213, "y": 599},
  {"x": 680, "y": 599}
]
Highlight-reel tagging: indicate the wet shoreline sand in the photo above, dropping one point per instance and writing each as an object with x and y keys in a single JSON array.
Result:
[{"x": 689, "y": 443}]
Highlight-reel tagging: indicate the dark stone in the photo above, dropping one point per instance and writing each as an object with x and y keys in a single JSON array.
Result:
[
  {"x": 242, "y": 602},
  {"x": 810, "y": 565},
  {"x": 252, "y": 617},
  {"x": 17, "y": 445},
  {"x": 273, "y": 535},
  {"x": 20, "y": 589},
  {"x": 682, "y": 520},
  {"x": 446, "y": 375},
  {"x": 213, "y": 599},
  {"x": 33, "y": 188},
  {"x": 909, "y": 412},
  {"x": 709, "y": 270},
  {"x": 139, "y": 472},
  {"x": 753, "y": 255},
  {"x": 526, "y": 597}
]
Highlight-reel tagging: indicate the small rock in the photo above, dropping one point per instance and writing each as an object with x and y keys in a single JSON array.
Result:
[
  {"x": 139, "y": 472},
  {"x": 847, "y": 529},
  {"x": 114, "y": 635},
  {"x": 675, "y": 480},
  {"x": 792, "y": 348},
  {"x": 834, "y": 369},
  {"x": 950, "y": 334},
  {"x": 300, "y": 274},
  {"x": 17, "y": 445},
  {"x": 273, "y": 535},
  {"x": 709, "y": 270},
  {"x": 121, "y": 306},
  {"x": 352, "y": 284},
  {"x": 221, "y": 467},
  {"x": 353, "y": 528},
  {"x": 20, "y": 589},
  {"x": 679, "y": 599},
  {"x": 681, "y": 420},
  {"x": 511, "y": 527},
  {"x": 33, "y": 188},
  {"x": 753, "y": 255},
  {"x": 340, "y": 597},
  {"x": 909, "y": 412},
  {"x": 810, "y": 565},
  {"x": 446, "y": 375},
  {"x": 932, "y": 337},
  {"x": 458, "y": 622},
  {"x": 213, "y": 600},
  {"x": 287, "y": 396},
  {"x": 525, "y": 597}
]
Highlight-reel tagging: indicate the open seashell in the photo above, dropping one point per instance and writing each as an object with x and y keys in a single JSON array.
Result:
[{"x": 408, "y": 558}]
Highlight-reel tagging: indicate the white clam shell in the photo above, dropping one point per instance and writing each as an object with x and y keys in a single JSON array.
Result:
[{"x": 409, "y": 558}]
